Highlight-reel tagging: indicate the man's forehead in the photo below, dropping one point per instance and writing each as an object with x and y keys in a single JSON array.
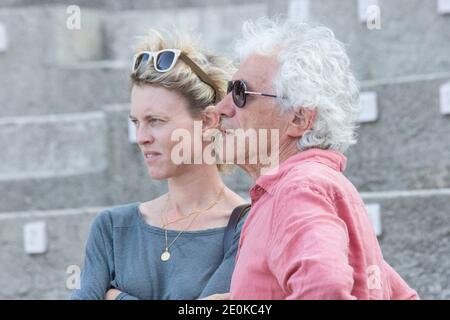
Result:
[{"x": 257, "y": 68}]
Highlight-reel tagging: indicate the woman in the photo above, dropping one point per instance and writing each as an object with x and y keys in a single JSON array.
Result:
[{"x": 170, "y": 247}]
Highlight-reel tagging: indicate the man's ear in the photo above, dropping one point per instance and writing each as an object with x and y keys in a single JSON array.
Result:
[
  {"x": 300, "y": 120},
  {"x": 210, "y": 118}
]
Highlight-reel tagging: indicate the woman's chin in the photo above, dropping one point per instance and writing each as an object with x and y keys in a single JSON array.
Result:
[{"x": 156, "y": 174}]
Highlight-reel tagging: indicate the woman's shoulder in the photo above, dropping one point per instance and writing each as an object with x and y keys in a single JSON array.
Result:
[{"x": 118, "y": 216}]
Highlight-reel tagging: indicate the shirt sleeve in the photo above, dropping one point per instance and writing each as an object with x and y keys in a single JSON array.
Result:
[
  {"x": 122, "y": 295},
  {"x": 309, "y": 249},
  {"x": 220, "y": 281},
  {"x": 98, "y": 270},
  {"x": 399, "y": 289}
]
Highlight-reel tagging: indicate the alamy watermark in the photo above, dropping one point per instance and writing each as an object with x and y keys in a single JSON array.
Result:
[
  {"x": 73, "y": 281},
  {"x": 373, "y": 20},
  {"x": 235, "y": 146},
  {"x": 73, "y": 21},
  {"x": 373, "y": 277}
]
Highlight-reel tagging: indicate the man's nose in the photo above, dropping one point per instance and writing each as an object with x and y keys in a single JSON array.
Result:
[{"x": 226, "y": 107}]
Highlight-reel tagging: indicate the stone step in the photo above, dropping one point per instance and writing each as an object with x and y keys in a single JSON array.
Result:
[
  {"x": 53, "y": 161},
  {"x": 53, "y": 145},
  {"x": 71, "y": 160},
  {"x": 43, "y": 36},
  {"x": 80, "y": 87},
  {"x": 58, "y": 192},
  {"x": 407, "y": 146}
]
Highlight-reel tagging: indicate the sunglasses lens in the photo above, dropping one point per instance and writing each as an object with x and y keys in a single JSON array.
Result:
[
  {"x": 141, "y": 60},
  {"x": 165, "y": 60},
  {"x": 230, "y": 86},
  {"x": 239, "y": 93}
]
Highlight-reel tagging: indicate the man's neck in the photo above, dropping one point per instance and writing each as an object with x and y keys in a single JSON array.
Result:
[{"x": 255, "y": 170}]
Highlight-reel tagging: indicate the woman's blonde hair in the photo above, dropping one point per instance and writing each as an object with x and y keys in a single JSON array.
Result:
[{"x": 182, "y": 78}]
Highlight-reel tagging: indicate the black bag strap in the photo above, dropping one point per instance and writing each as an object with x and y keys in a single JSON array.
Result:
[{"x": 236, "y": 215}]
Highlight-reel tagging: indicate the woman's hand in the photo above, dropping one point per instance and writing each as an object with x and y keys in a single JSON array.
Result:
[
  {"x": 112, "y": 294},
  {"x": 218, "y": 296}
]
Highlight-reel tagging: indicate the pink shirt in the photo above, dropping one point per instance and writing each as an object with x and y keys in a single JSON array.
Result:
[{"x": 308, "y": 236}]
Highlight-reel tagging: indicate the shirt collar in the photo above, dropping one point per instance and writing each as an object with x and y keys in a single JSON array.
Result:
[{"x": 331, "y": 158}]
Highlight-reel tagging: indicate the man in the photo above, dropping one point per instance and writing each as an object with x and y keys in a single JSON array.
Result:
[{"x": 308, "y": 235}]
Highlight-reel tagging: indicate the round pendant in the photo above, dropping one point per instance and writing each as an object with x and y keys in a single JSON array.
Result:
[{"x": 165, "y": 256}]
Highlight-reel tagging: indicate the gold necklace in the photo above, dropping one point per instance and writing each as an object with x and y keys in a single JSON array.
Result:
[
  {"x": 165, "y": 224},
  {"x": 165, "y": 256}
]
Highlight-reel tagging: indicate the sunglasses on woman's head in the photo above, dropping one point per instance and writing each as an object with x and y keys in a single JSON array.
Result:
[
  {"x": 239, "y": 91},
  {"x": 165, "y": 60}
]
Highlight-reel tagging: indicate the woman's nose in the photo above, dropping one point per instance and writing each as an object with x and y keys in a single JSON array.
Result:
[{"x": 144, "y": 136}]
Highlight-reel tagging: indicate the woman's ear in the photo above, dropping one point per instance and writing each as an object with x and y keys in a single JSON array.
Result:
[
  {"x": 301, "y": 120},
  {"x": 210, "y": 118}
]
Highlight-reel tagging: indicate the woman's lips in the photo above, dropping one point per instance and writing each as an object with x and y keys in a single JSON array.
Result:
[{"x": 150, "y": 156}]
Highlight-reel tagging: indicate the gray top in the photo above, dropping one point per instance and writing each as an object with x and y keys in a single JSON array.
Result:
[{"x": 124, "y": 252}]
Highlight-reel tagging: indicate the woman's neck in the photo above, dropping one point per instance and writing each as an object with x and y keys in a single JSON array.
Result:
[{"x": 196, "y": 189}]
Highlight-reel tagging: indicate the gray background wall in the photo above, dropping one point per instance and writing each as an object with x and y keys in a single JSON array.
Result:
[{"x": 65, "y": 155}]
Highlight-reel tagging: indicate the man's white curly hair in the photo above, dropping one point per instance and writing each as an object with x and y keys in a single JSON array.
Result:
[{"x": 314, "y": 73}]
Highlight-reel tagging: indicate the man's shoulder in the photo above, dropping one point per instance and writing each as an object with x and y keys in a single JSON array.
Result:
[
  {"x": 315, "y": 176},
  {"x": 310, "y": 172}
]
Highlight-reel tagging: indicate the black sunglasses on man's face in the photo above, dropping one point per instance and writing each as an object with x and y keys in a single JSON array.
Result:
[{"x": 238, "y": 88}]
